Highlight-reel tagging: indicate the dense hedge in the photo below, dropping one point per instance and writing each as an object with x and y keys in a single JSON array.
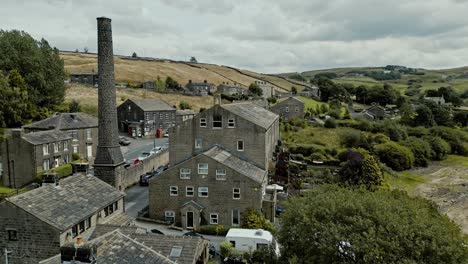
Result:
[
  {"x": 63, "y": 170},
  {"x": 215, "y": 230},
  {"x": 395, "y": 156},
  {"x": 421, "y": 150},
  {"x": 439, "y": 147}
]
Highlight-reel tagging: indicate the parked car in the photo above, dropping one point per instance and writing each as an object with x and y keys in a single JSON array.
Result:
[
  {"x": 193, "y": 234},
  {"x": 144, "y": 178},
  {"x": 156, "y": 150},
  {"x": 144, "y": 155},
  {"x": 132, "y": 163},
  {"x": 123, "y": 141},
  {"x": 158, "y": 171},
  {"x": 166, "y": 135}
]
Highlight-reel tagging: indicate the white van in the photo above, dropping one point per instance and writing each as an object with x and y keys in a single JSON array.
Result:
[{"x": 249, "y": 240}]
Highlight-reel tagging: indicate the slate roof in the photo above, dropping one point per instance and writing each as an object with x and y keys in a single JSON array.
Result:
[
  {"x": 65, "y": 121},
  {"x": 290, "y": 99},
  {"x": 101, "y": 230},
  {"x": 42, "y": 137},
  {"x": 234, "y": 162},
  {"x": 75, "y": 198},
  {"x": 253, "y": 113},
  {"x": 192, "y": 247},
  {"x": 152, "y": 104}
]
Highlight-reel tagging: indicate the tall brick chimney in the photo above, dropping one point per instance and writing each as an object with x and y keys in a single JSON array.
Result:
[{"x": 109, "y": 159}]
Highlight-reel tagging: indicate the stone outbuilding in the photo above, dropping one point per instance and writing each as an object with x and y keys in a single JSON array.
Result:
[
  {"x": 89, "y": 78},
  {"x": 289, "y": 108},
  {"x": 200, "y": 88}
]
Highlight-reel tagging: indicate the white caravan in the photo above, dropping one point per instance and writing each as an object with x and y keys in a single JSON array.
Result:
[{"x": 249, "y": 240}]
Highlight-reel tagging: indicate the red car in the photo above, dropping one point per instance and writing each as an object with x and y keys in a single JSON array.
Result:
[{"x": 132, "y": 163}]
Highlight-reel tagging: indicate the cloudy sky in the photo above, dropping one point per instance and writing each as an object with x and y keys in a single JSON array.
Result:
[{"x": 269, "y": 36}]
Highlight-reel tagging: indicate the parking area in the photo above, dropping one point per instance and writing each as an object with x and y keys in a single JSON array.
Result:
[{"x": 140, "y": 145}]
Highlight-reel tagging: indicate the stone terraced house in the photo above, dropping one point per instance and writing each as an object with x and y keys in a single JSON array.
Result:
[
  {"x": 34, "y": 225},
  {"x": 289, "y": 108}
]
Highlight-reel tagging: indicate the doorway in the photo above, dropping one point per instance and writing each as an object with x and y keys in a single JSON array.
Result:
[{"x": 189, "y": 220}]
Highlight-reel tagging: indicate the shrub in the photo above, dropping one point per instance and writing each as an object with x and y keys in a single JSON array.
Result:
[
  {"x": 214, "y": 230},
  {"x": 454, "y": 137},
  {"x": 184, "y": 105},
  {"x": 421, "y": 150},
  {"x": 75, "y": 156},
  {"x": 360, "y": 168},
  {"x": 418, "y": 131},
  {"x": 227, "y": 249},
  {"x": 253, "y": 219},
  {"x": 354, "y": 139},
  {"x": 395, "y": 156},
  {"x": 393, "y": 130},
  {"x": 305, "y": 149},
  {"x": 63, "y": 171},
  {"x": 439, "y": 147},
  {"x": 330, "y": 123}
]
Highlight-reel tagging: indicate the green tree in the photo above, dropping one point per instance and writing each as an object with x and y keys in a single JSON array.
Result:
[
  {"x": 39, "y": 65},
  {"x": 360, "y": 169},
  {"x": 421, "y": 150},
  {"x": 407, "y": 113},
  {"x": 159, "y": 84},
  {"x": 439, "y": 147},
  {"x": 293, "y": 90},
  {"x": 330, "y": 123},
  {"x": 461, "y": 118},
  {"x": 171, "y": 83},
  {"x": 255, "y": 89},
  {"x": 193, "y": 60},
  {"x": 395, "y": 156},
  {"x": 423, "y": 117},
  {"x": 184, "y": 105},
  {"x": 253, "y": 219},
  {"x": 16, "y": 108},
  {"x": 330, "y": 224},
  {"x": 134, "y": 55}
]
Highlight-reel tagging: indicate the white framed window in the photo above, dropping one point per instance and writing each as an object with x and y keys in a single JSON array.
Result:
[
  {"x": 176, "y": 251},
  {"x": 235, "y": 217},
  {"x": 203, "y": 168},
  {"x": 296, "y": 109},
  {"x": 240, "y": 145},
  {"x": 89, "y": 134},
  {"x": 174, "y": 190},
  {"x": 198, "y": 143},
  {"x": 287, "y": 109},
  {"x": 220, "y": 174},
  {"x": 169, "y": 216},
  {"x": 46, "y": 164},
  {"x": 75, "y": 149},
  {"x": 189, "y": 191},
  {"x": 65, "y": 145},
  {"x": 217, "y": 121},
  {"x": 202, "y": 191},
  {"x": 236, "y": 193},
  {"x": 45, "y": 149},
  {"x": 213, "y": 218},
  {"x": 56, "y": 147},
  {"x": 185, "y": 173},
  {"x": 202, "y": 122},
  {"x": 231, "y": 123}
]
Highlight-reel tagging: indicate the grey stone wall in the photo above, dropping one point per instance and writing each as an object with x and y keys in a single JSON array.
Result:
[
  {"x": 220, "y": 192},
  {"x": 36, "y": 239},
  {"x": 287, "y": 109},
  {"x": 256, "y": 147},
  {"x": 132, "y": 175}
]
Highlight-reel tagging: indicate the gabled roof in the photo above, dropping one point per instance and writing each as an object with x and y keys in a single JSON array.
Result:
[
  {"x": 236, "y": 163},
  {"x": 65, "y": 121},
  {"x": 192, "y": 202},
  {"x": 43, "y": 137},
  {"x": 152, "y": 104},
  {"x": 294, "y": 99},
  {"x": 252, "y": 113},
  {"x": 75, "y": 198}
]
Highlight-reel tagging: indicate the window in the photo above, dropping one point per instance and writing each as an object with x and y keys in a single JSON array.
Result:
[
  {"x": 56, "y": 147},
  {"x": 297, "y": 109},
  {"x": 81, "y": 227},
  {"x": 287, "y": 109},
  {"x": 75, "y": 149},
  {"x": 217, "y": 121},
  {"x": 12, "y": 235},
  {"x": 89, "y": 134},
  {"x": 116, "y": 206},
  {"x": 236, "y": 193},
  {"x": 198, "y": 143},
  {"x": 235, "y": 217},
  {"x": 46, "y": 164},
  {"x": 74, "y": 231},
  {"x": 160, "y": 116},
  {"x": 167, "y": 115},
  {"x": 185, "y": 174},
  {"x": 108, "y": 210},
  {"x": 220, "y": 174},
  {"x": 240, "y": 145},
  {"x": 214, "y": 219},
  {"x": 88, "y": 223},
  {"x": 174, "y": 190},
  {"x": 230, "y": 122},
  {"x": 45, "y": 149},
  {"x": 202, "y": 191},
  {"x": 169, "y": 216},
  {"x": 202, "y": 122},
  {"x": 175, "y": 252},
  {"x": 65, "y": 145},
  {"x": 189, "y": 191},
  {"x": 202, "y": 168}
]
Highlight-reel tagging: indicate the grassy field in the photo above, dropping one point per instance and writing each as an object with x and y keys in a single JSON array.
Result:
[
  {"x": 88, "y": 99},
  {"x": 327, "y": 138}
]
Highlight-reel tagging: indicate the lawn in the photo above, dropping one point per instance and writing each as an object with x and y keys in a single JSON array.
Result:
[
  {"x": 309, "y": 102},
  {"x": 325, "y": 137},
  {"x": 455, "y": 160},
  {"x": 405, "y": 180}
]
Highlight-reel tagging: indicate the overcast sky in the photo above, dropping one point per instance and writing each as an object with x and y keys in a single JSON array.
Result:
[{"x": 269, "y": 36}]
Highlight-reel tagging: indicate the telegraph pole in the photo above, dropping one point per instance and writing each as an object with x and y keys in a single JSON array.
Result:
[{"x": 6, "y": 255}]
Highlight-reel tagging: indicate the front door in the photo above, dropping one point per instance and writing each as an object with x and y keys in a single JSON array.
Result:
[{"x": 189, "y": 220}]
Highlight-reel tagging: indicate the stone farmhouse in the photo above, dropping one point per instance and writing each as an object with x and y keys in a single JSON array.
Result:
[
  {"x": 142, "y": 117},
  {"x": 289, "y": 108},
  {"x": 438, "y": 100},
  {"x": 219, "y": 163},
  {"x": 246, "y": 129},
  {"x": 212, "y": 187},
  {"x": 82, "y": 127},
  {"x": 267, "y": 88},
  {"x": 313, "y": 91},
  {"x": 89, "y": 78},
  {"x": 227, "y": 89},
  {"x": 372, "y": 113},
  {"x": 26, "y": 154},
  {"x": 203, "y": 88},
  {"x": 34, "y": 225}
]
